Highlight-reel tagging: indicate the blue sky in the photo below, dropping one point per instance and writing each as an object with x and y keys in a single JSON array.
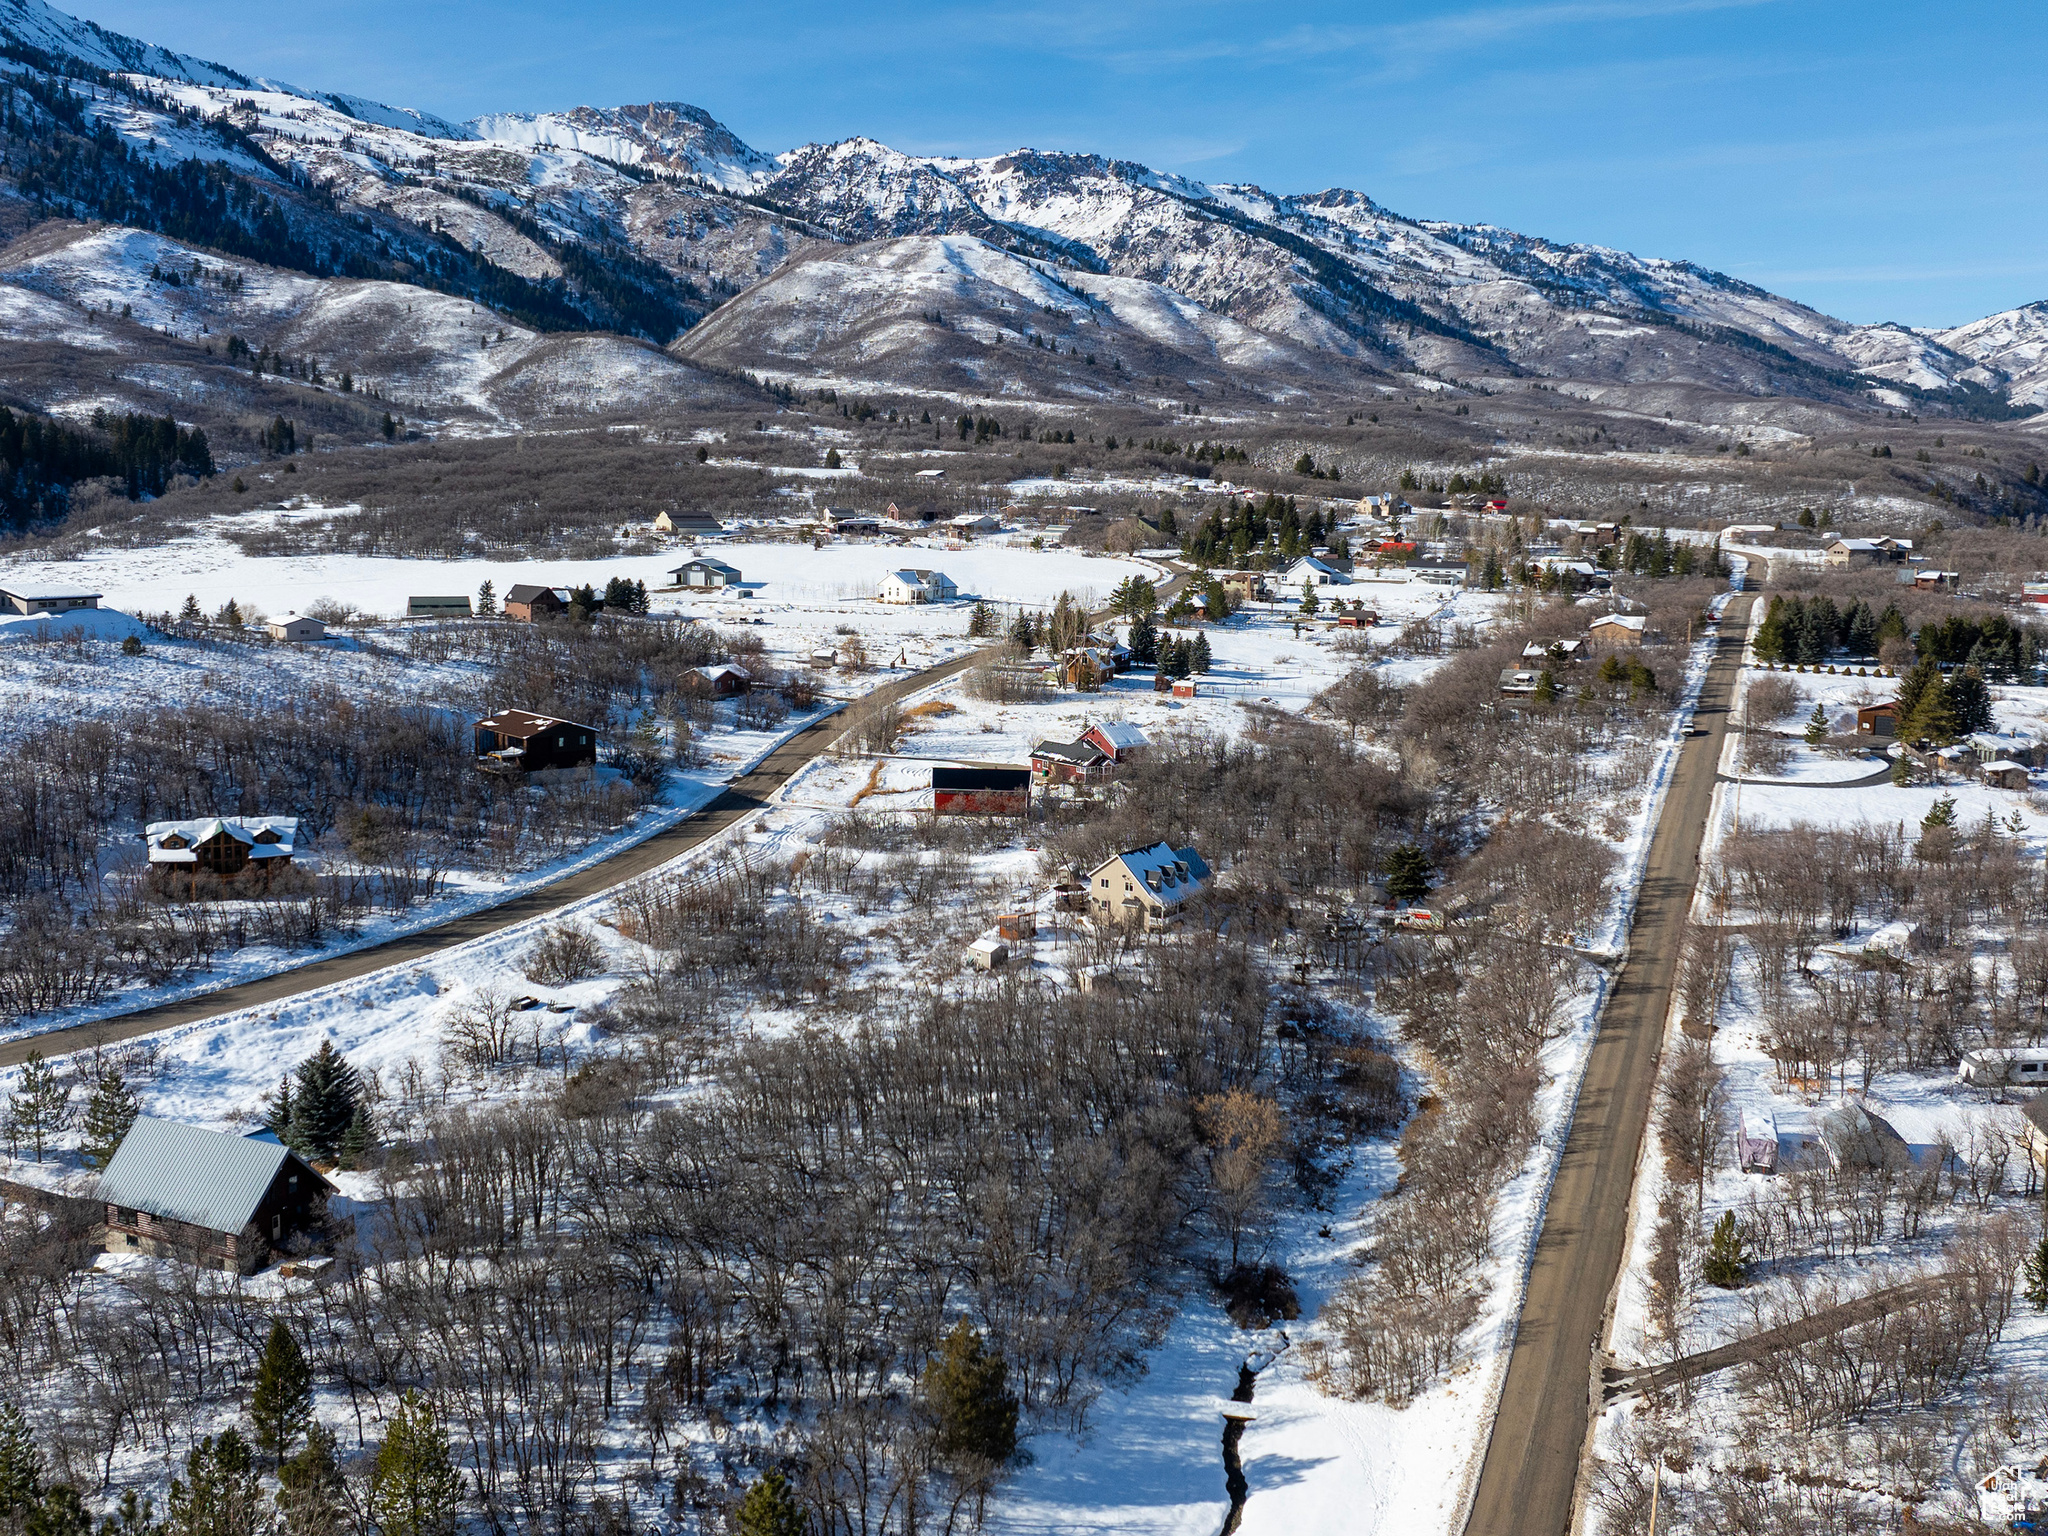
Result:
[{"x": 1877, "y": 159}]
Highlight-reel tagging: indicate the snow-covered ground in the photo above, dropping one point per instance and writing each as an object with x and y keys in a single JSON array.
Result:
[{"x": 1924, "y": 1106}]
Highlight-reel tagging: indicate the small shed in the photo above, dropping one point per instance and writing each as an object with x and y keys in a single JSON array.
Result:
[
  {"x": 1857, "y": 1138},
  {"x": 981, "y": 791},
  {"x": 295, "y": 627},
  {"x": 988, "y": 954},
  {"x": 515, "y": 741},
  {"x": 1756, "y": 1142},
  {"x": 1877, "y": 720},
  {"x": 437, "y": 608},
  {"x": 724, "y": 681},
  {"x": 221, "y": 1202},
  {"x": 2005, "y": 774},
  {"x": 1617, "y": 629},
  {"x": 1184, "y": 688},
  {"x": 1017, "y": 925}
]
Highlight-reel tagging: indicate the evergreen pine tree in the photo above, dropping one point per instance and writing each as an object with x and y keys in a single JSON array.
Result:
[
  {"x": 1727, "y": 1260},
  {"x": 359, "y": 1139},
  {"x": 108, "y": 1115},
  {"x": 389, "y": 427},
  {"x": 771, "y": 1508},
  {"x": 1911, "y": 687},
  {"x": 1817, "y": 726},
  {"x": 1941, "y": 814},
  {"x": 38, "y": 1108},
  {"x": 1169, "y": 526},
  {"x": 486, "y": 599},
  {"x": 2035, "y": 1268},
  {"x": 323, "y": 1103},
  {"x": 1144, "y": 641},
  {"x": 1310, "y": 603},
  {"x": 1200, "y": 660},
  {"x": 277, "y": 1110},
  {"x": 1933, "y": 717},
  {"x": 310, "y": 1498},
  {"x": 1546, "y": 687},
  {"x": 61, "y": 1513},
  {"x": 190, "y": 613},
  {"x": 966, "y": 1389},
  {"x": 281, "y": 1406},
  {"x": 219, "y": 1494},
  {"x": 414, "y": 1486},
  {"x": 1902, "y": 770},
  {"x": 1969, "y": 702},
  {"x": 1407, "y": 873},
  {"x": 231, "y": 614},
  {"x": 21, "y": 1464}
]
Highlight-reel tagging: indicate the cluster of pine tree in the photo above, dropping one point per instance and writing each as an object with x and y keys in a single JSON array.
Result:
[
  {"x": 1942, "y": 708},
  {"x": 321, "y": 1112},
  {"x": 1173, "y": 657},
  {"x": 2004, "y": 652},
  {"x": 1806, "y": 631},
  {"x": 981, "y": 429},
  {"x": 41, "y": 459},
  {"x": 1245, "y": 533},
  {"x": 1658, "y": 555},
  {"x": 1481, "y": 484},
  {"x": 624, "y": 596}
]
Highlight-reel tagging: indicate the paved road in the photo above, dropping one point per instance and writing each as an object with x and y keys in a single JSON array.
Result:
[
  {"x": 1532, "y": 1460},
  {"x": 742, "y": 798}
]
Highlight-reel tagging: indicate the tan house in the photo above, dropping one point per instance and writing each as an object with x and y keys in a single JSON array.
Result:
[
  {"x": 295, "y": 627},
  {"x": 1617, "y": 630},
  {"x": 1879, "y": 551},
  {"x": 1147, "y": 885}
]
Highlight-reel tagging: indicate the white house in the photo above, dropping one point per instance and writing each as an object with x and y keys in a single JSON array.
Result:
[
  {"x": 916, "y": 586},
  {"x": 295, "y": 627},
  {"x": 975, "y": 522},
  {"x": 1308, "y": 571}
]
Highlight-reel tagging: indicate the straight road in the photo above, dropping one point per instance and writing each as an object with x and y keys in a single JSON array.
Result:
[
  {"x": 744, "y": 797},
  {"x": 1527, "y": 1481}
]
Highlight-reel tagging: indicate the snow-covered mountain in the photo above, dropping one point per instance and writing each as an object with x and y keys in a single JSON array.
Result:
[{"x": 647, "y": 219}]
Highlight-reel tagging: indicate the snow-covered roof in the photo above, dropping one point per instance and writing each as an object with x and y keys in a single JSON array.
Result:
[
  {"x": 2004, "y": 762},
  {"x": 187, "y": 1173},
  {"x": 723, "y": 669},
  {"x": 1621, "y": 620},
  {"x": 709, "y": 563},
  {"x": 1080, "y": 753},
  {"x": 1536, "y": 651},
  {"x": 1121, "y": 735},
  {"x": 1168, "y": 873},
  {"x": 266, "y": 837}
]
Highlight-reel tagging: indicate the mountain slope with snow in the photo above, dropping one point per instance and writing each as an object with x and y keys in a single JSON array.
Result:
[{"x": 647, "y": 219}]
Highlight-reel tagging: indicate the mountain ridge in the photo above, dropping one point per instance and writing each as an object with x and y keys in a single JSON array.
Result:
[{"x": 648, "y": 218}]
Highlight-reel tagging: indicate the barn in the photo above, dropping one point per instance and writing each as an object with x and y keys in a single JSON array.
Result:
[{"x": 981, "y": 791}]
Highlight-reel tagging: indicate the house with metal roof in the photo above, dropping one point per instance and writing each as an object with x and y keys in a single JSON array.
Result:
[
  {"x": 1117, "y": 740},
  {"x": 1147, "y": 885},
  {"x": 179, "y": 1191}
]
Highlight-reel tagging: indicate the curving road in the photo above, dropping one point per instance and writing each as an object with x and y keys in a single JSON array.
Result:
[
  {"x": 744, "y": 797},
  {"x": 1527, "y": 1481}
]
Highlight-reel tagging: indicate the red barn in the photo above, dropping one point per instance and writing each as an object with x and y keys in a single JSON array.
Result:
[{"x": 981, "y": 791}]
